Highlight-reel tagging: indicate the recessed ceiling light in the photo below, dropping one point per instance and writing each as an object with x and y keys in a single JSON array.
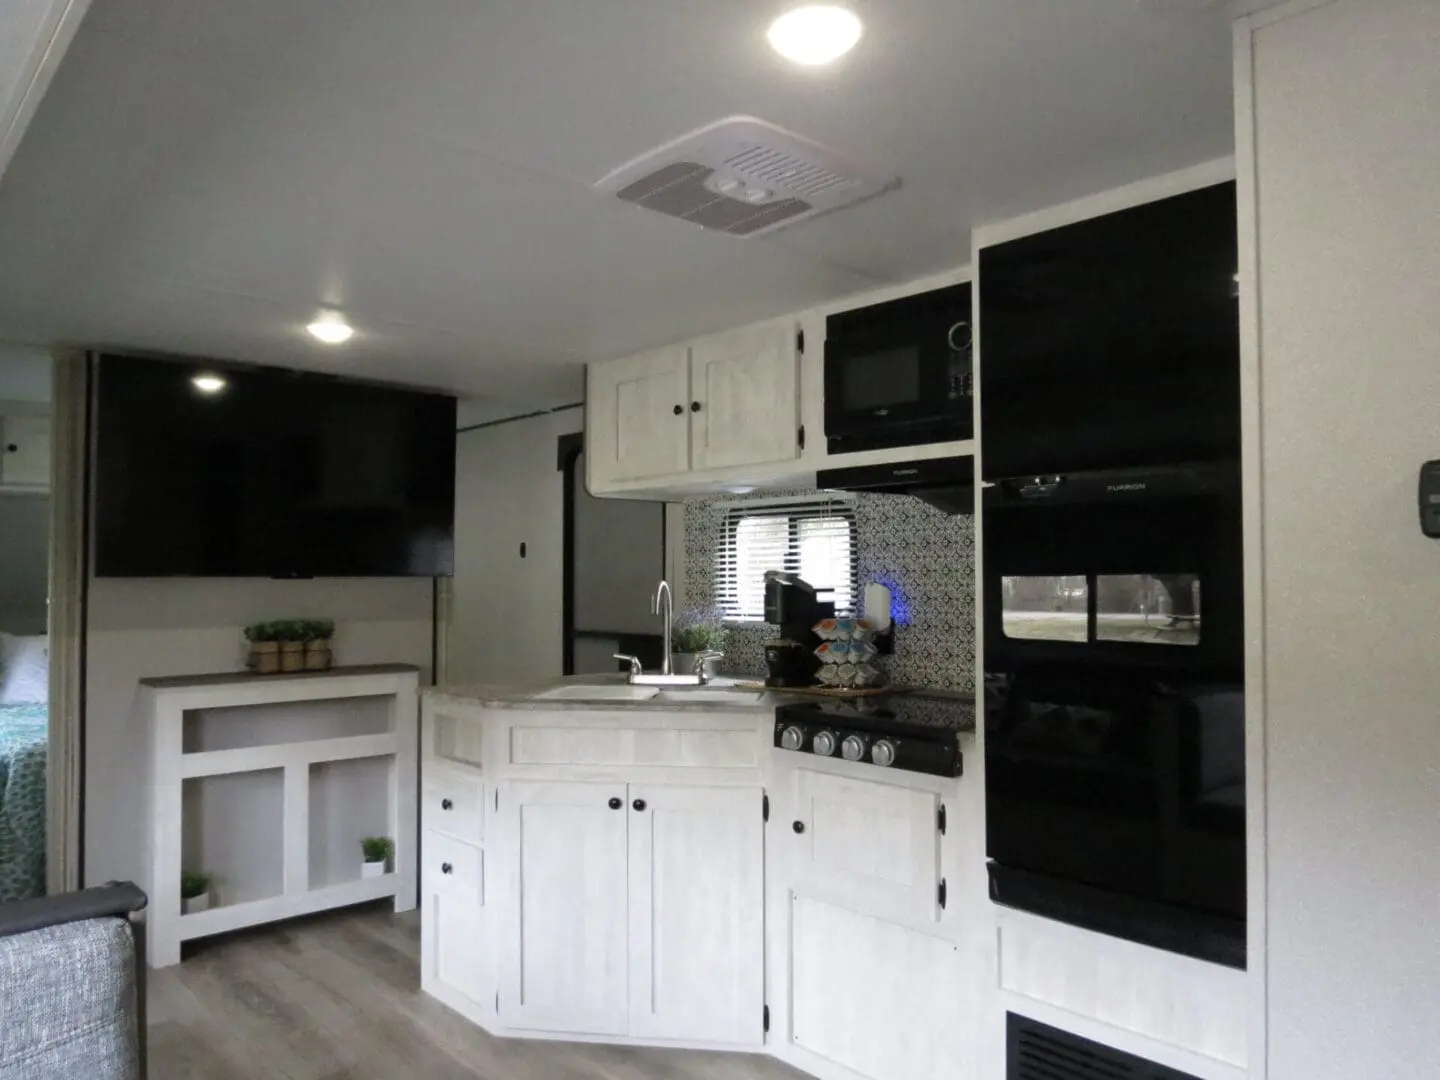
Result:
[
  {"x": 208, "y": 384},
  {"x": 815, "y": 34},
  {"x": 331, "y": 329}
]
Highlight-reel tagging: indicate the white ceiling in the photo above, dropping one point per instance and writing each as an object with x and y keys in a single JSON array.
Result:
[{"x": 203, "y": 176}]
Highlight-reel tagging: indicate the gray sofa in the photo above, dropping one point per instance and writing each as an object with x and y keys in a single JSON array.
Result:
[{"x": 72, "y": 986}]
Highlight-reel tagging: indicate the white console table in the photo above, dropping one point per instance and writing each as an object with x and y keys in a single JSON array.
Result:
[{"x": 269, "y": 782}]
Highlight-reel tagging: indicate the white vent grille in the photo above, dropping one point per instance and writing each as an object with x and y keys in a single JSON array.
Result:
[{"x": 743, "y": 177}]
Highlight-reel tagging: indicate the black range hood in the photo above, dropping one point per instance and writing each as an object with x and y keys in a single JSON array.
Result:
[{"x": 948, "y": 484}]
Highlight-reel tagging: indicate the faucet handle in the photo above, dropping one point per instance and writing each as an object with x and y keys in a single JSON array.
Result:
[
  {"x": 636, "y": 668},
  {"x": 702, "y": 658}
]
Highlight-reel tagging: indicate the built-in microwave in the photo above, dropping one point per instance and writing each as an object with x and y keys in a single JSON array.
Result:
[{"x": 900, "y": 373}]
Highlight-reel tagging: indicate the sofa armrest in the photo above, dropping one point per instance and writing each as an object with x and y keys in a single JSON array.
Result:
[{"x": 116, "y": 900}]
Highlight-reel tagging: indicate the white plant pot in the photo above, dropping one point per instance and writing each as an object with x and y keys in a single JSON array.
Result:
[
  {"x": 372, "y": 869},
  {"x": 193, "y": 904}
]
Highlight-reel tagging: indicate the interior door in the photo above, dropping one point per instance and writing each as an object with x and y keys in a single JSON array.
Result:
[
  {"x": 697, "y": 924},
  {"x": 564, "y": 847},
  {"x": 746, "y": 387},
  {"x": 637, "y": 418}
]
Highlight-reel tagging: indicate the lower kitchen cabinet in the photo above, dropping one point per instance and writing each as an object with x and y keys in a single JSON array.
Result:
[
  {"x": 450, "y": 946},
  {"x": 564, "y": 934},
  {"x": 874, "y": 996},
  {"x": 697, "y": 922},
  {"x": 632, "y": 910}
]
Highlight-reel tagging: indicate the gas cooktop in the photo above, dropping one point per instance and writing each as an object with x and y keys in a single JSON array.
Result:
[{"x": 915, "y": 732}]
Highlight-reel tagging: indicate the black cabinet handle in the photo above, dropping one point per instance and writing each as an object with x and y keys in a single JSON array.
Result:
[
  {"x": 11, "y": 448},
  {"x": 679, "y": 410},
  {"x": 799, "y": 827},
  {"x": 615, "y": 804},
  {"x": 944, "y": 894},
  {"x": 446, "y": 868},
  {"x": 694, "y": 406},
  {"x": 446, "y": 804},
  {"x": 639, "y": 804}
]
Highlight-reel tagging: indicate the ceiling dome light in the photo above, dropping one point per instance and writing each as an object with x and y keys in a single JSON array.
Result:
[
  {"x": 815, "y": 34},
  {"x": 207, "y": 383},
  {"x": 331, "y": 329}
]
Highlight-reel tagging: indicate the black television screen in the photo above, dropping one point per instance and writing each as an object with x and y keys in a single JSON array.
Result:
[
  {"x": 270, "y": 473},
  {"x": 1114, "y": 342}
]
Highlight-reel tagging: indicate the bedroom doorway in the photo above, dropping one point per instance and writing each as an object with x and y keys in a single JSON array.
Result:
[{"x": 25, "y": 540}]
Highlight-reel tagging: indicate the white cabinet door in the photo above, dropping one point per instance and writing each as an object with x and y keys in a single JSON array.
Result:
[
  {"x": 632, "y": 427},
  {"x": 451, "y": 946},
  {"x": 563, "y": 847},
  {"x": 875, "y": 996},
  {"x": 746, "y": 386},
  {"x": 25, "y": 441},
  {"x": 873, "y": 842},
  {"x": 697, "y": 925}
]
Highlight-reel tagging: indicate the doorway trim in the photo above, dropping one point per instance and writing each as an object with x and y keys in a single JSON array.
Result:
[{"x": 69, "y": 527}]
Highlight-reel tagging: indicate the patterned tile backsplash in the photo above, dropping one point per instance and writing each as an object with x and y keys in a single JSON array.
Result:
[{"x": 926, "y": 557}]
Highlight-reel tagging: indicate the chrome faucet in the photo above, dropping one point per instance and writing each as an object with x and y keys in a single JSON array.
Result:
[{"x": 663, "y": 604}]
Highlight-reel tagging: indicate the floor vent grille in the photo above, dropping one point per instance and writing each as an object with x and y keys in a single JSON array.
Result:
[{"x": 1039, "y": 1052}]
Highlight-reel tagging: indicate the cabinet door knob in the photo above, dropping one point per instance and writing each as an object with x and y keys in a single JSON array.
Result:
[
  {"x": 615, "y": 804},
  {"x": 679, "y": 410},
  {"x": 11, "y": 448},
  {"x": 446, "y": 868},
  {"x": 446, "y": 804},
  {"x": 799, "y": 827},
  {"x": 639, "y": 804},
  {"x": 694, "y": 406}
]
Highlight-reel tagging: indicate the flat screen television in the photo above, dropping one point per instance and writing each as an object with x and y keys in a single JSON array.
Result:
[
  {"x": 1114, "y": 342},
  {"x": 263, "y": 472}
]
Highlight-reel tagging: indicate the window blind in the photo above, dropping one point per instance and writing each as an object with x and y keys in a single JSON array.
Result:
[{"x": 812, "y": 537}]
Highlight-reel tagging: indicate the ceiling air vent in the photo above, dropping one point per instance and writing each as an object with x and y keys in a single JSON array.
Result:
[{"x": 744, "y": 177}]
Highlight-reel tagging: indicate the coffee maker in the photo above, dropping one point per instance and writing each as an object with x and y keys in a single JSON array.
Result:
[{"x": 790, "y": 604}]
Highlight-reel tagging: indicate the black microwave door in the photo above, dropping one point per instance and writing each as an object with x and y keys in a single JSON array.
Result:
[{"x": 871, "y": 383}]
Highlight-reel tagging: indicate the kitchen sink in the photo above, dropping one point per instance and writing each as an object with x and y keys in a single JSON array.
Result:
[
  {"x": 709, "y": 696},
  {"x": 599, "y": 693}
]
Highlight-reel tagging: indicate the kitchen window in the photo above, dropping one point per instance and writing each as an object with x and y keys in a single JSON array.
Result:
[{"x": 814, "y": 538}]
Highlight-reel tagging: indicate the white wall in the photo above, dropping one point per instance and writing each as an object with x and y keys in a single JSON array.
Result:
[
  {"x": 507, "y": 612},
  {"x": 185, "y": 626},
  {"x": 1346, "y": 166}
]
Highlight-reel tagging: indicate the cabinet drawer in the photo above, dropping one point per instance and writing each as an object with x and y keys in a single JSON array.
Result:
[
  {"x": 455, "y": 805},
  {"x": 453, "y": 868}
]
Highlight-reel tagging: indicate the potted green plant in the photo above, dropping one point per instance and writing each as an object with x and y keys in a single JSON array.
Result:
[
  {"x": 378, "y": 850},
  {"x": 318, "y": 633},
  {"x": 194, "y": 891},
  {"x": 697, "y": 643},
  {"x": 291, "y": 635},
  {"x": 264, "y": 648}
]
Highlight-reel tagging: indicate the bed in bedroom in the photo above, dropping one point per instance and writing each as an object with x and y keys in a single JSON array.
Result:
[{"x": 24, "y": 743}]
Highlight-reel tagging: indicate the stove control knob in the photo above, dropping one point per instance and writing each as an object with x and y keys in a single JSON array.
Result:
[
  {"x": 883, "y": 753},
  {"x": 853, "y": 748},
  {"x": 792, "y": 738},
  {"x": 823, "y": 743}
]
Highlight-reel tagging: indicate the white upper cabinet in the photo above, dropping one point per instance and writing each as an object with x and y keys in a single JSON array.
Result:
[
  {"x": 721, "y": 402},
  {"x": 637, "y": 417},
  {"x": 25, "y": 441},
  {"x": 745, "y": 403}
]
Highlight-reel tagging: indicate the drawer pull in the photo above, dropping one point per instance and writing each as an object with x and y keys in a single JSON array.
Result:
[
  {"x": 446, "y": 804},
  {"x": 615, "y": 804},
  {"x": 446, "y": 868},
  {"x": 799, "y": 827}
]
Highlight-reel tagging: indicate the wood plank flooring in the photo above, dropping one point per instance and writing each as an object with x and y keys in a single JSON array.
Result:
[{"x": 337, "y": 997}]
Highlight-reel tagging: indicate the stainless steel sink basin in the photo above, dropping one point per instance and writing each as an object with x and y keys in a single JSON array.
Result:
[
  {"x": 599, "y": 693},
  {"x": 709, "y": 696}
]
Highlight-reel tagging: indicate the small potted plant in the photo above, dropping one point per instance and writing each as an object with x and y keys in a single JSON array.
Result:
[
  {"x": 694, "y": 636},
  {"x": 318, "y": 633},
  {"x": 264, "y": 648},
  {"x": 194, "y": 891},
  {"x": 291, "y": 635},
  {"x": 378, "y": 851}
]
